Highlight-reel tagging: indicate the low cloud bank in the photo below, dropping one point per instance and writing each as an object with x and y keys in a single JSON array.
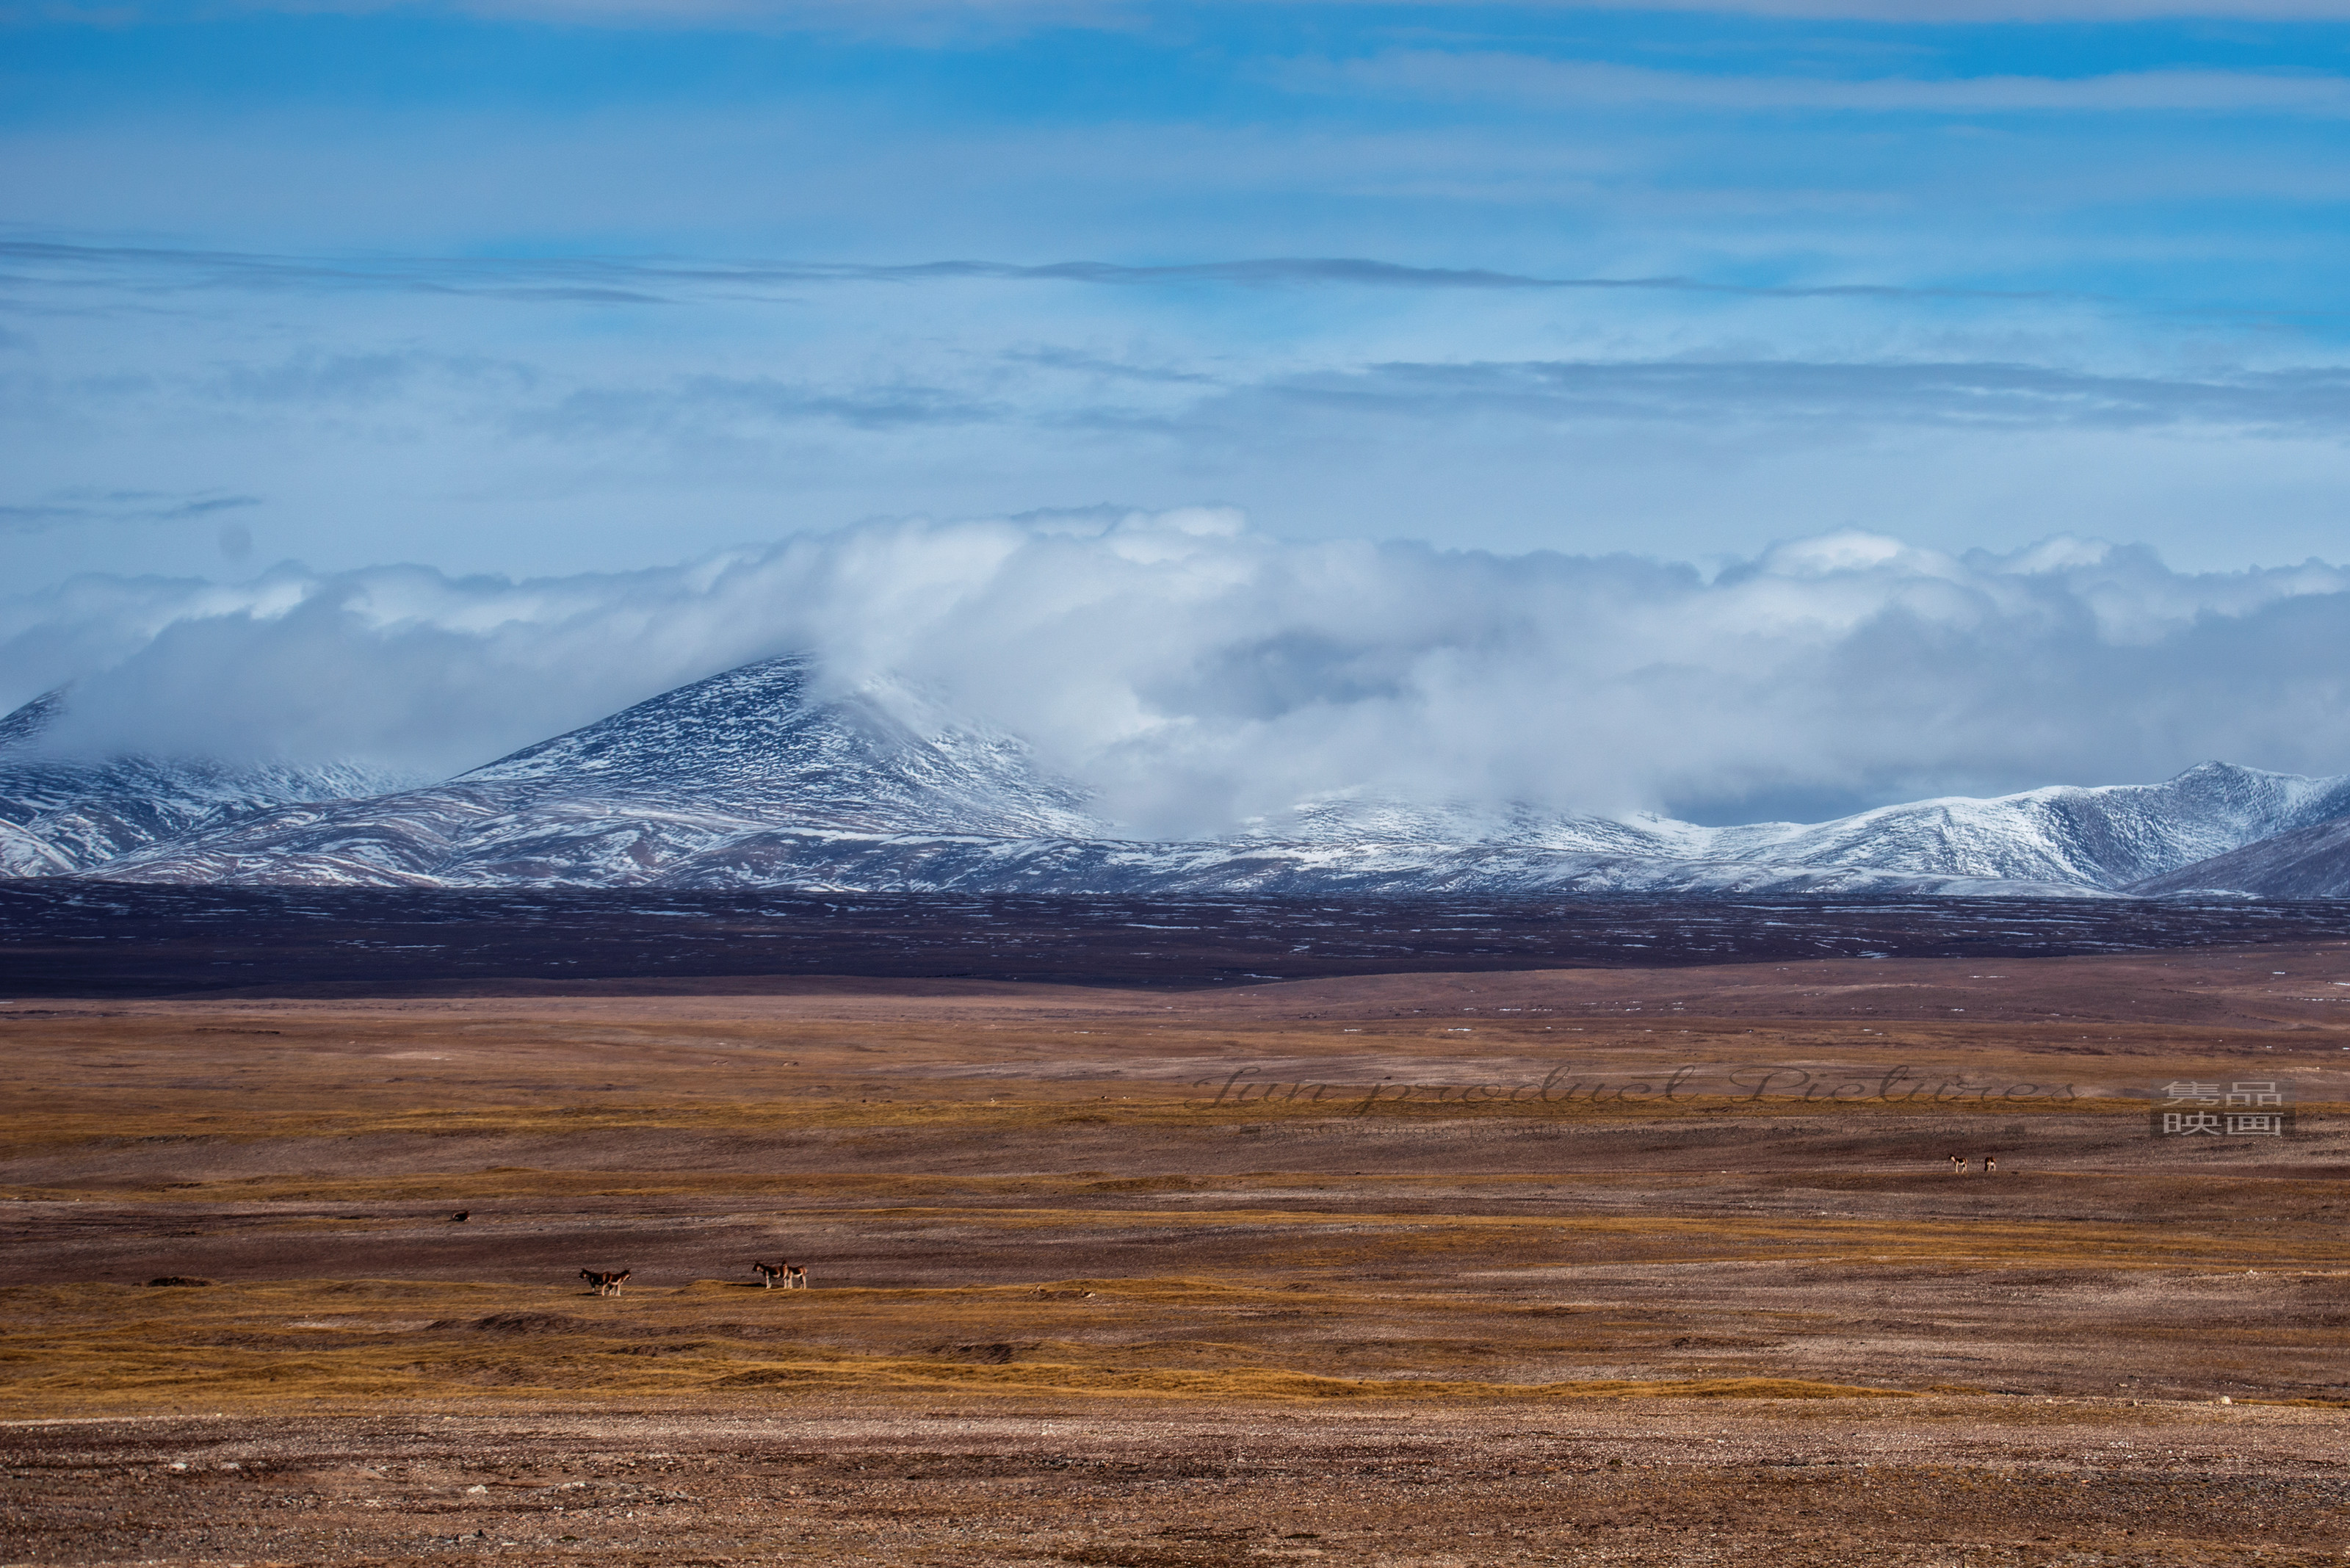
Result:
[{"x": 1198, "y": 673}]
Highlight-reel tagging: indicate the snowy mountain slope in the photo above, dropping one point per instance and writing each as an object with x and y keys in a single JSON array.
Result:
[
  {"x": 2311, "y": 862},
  {"x": 1361, "y": 819},
  {"x": 61, "y": 814},
  {"x": 757, "y": 777},
  {"x": 25, "y": 726},
  {"x": 759, "y": 741},
  {"x": 2106, "y": 837},
  {"x": 928, "y": 862},
  {"x": 623, "y": 800},
  {"x": 2101, "y": 837}
]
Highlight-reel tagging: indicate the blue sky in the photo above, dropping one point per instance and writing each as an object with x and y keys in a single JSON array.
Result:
[
  {"x": 538, "y": 288},
  {"x": 1732, "y": 276}
]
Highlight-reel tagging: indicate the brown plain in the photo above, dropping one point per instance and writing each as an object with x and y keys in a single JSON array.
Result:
[{"x": 1663, "y": 1266}]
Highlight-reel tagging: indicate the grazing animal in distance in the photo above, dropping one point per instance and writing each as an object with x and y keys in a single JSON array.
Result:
[
  {"x": 607, "y": 1281},
  {"x": 460, "y": 1216},
  {"x": 770, "y": 1272},
  {"x": 1990, "y": 1165},
  {"x": 1958, "y": 1165},
  {"x": 795, "y": 1278}
]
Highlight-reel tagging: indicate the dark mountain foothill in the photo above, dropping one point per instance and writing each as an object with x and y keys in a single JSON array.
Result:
[{"x": 67, "y": 937}]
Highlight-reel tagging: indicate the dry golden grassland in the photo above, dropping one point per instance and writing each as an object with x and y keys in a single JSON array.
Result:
[{"x": 1478, "y": 1204}]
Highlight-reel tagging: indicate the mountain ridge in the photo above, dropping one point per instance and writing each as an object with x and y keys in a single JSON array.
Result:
[
  {"x": 62, "y": 815},
  {"x": 761, "y": 776}
]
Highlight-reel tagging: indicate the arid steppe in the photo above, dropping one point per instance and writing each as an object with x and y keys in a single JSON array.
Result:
[{"x": 1658, "y": 1266}]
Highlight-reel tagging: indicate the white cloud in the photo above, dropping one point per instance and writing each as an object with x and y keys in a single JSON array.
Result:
[{"x": 1197, "y": 672}]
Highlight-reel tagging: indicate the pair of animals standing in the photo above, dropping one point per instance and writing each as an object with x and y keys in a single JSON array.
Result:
[
  {"x": 794, "y": 1277},
  {"x": 1958, "y": 1166}
]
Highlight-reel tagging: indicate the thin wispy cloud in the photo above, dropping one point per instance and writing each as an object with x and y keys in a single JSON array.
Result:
[
  {"x": 1356, "y": 272},
  {"x": 1797, "y": 394},
  {"x": 955, "y": 20},
  {"x": 1076, "y": 362},
  {"x": 72, "y": 509},
  {"x": 935, "y": 22},
  {"x": 2023, "y": 13},
  {"x": 2031, "y": 397},
  {"x": 1070, "y": 389},
  {"x": 1587, "y": 86},
  {"x": 698, "y": 405},
  {"x": 627, "y": 281}
]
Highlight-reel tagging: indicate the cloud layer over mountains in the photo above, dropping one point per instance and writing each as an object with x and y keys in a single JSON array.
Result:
[{"x": 1197, "y": 672}]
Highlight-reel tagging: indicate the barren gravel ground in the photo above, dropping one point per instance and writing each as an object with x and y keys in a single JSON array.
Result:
[
  {"x": 1580, "y": 1266},
  {"x": 1928, "y": 1481}
]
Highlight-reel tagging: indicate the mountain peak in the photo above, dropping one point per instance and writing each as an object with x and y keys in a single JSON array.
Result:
[
  {"x": 734, "y": 720},
  {"x": 26, "y": 723},
  {"x": 759, "y": 742},
  {"x": 2216, "y": 769}
]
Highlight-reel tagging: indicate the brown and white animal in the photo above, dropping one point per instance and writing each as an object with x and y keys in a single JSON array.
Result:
[
  {"x": 607, "y": 1281},
  {"x": 795, "y": 1278},
  {"x": 770, "y": 1272},
  {"x": 1958, "y": 1165},
  {"x": 1990, "y": 1165}
]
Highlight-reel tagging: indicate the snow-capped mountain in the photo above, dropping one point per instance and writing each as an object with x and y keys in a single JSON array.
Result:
[
  {"x": 2107, "y": 837},
  {"x": 2067, "y": 838},
  {"x": 753, "y": 766},
  {"x": 761, "y": 742},
  {"x": 760, "y": 777},
  {"x": 63, "y": 815}
]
